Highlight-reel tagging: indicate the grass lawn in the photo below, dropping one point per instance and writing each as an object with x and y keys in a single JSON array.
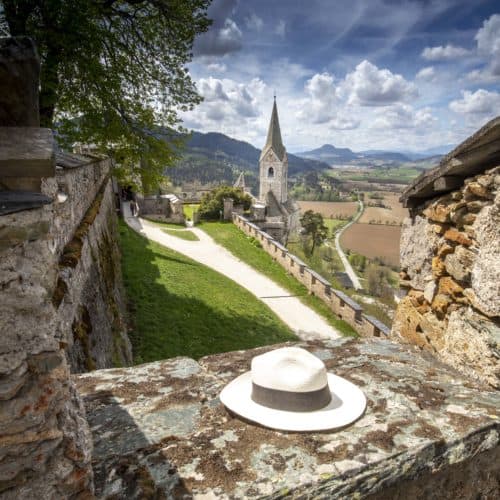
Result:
[
  {"x": 334, "y": 225},
  {"x": 185, "y": 235},
  {"x": 189, "y": 209},
  {"x": 179, "y": 307},
  {"x": 246, "y": 249}
]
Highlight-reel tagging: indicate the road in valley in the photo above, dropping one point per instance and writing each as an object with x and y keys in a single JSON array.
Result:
[{"x": 347, "y": 266}]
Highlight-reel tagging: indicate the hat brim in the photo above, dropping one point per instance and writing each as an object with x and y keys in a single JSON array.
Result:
[{"x": 347, "y": 405}]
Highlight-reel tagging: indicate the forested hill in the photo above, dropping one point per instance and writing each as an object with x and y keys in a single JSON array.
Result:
[{"x": 215, "y": 157}]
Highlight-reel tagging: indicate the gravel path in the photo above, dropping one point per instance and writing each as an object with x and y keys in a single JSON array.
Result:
[{"x": 305, "y": 322}]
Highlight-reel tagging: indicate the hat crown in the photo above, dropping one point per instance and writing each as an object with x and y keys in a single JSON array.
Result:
[{"x": 289, "y": 369}]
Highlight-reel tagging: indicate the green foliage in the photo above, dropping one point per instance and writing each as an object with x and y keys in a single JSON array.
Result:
[
  {"x": 313, "y": 228},
  {"x": 113, "y": 73},
  {"x": 378, "y": 281},
  {"x": 190, "y": 209},
  {"x": 358, "y": 261},
  {"x": 334, "y": 225},
  {"x": 212, "y": 204},
  {"x": 234, "y": 240},
  {"x": 180, "y": 307}
]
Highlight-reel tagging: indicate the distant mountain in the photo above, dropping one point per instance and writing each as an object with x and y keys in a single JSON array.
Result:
[
  {"x": 330, "y": 154},
  {"x": 384, "y": 155},
  {"x": 215, "y": 158}
]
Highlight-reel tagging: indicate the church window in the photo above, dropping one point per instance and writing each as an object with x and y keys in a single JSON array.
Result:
[{"x": 270, "y": 172}]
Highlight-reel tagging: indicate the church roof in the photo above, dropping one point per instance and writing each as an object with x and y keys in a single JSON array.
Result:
[{"x": 274, "y": 140}]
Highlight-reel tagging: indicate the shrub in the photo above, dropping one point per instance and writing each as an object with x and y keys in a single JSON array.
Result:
[{"x": 212, "y": 204}]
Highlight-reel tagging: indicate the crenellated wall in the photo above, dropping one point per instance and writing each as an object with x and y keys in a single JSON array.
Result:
[{"x": 338, "y": 302}]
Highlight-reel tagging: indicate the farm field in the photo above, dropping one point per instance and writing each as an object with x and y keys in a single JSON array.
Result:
[
  {"x": 330, "y": 209},
  {"x": 373, "y": 241},
  {"x": 378, "y": 215}
]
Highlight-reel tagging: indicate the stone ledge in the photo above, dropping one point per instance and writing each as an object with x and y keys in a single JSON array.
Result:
[{"x": 160, "y": 428}]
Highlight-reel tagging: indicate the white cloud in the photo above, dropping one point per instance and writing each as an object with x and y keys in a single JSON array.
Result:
[
  {"x": 488, "y": 36},
  {"x": 402, "y": 116},
  {"x": 481, "y": 102},
  {"x": 341, "y": 122},
  {"x": 488, "y": 46},
  {"x": 280, "y": 28},
  {"x": 227, "y": 103},
  {"x": 319, "y": 106},
  {"x": 219, "y": 41},
  {"x": 368, "y": 85},
  {"x": 427, "y": 74},
  {"x": 217, "y": 67},
  {"x": 254, "y": 22},
  {"x": 444, "y": 53},
  {"x": 212, "y": 90}
]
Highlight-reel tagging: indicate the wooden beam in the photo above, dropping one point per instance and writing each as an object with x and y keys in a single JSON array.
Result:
[
  {"x": 17, "y": 201},
  {"x": 448, "y": 183},
  {"x": 26, "y": 152}
]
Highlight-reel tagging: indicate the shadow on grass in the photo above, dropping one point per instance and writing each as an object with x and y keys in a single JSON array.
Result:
[{"x": 181, "y": 308}]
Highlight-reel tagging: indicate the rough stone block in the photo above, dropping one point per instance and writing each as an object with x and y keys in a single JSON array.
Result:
[
  {"x": 438, "y": 212},
  {"x": 160, "y": 430},
  {"x": 458, "y": 237},
  {"x": 459, "y": 264},
  {"x": 476, "y": 189},
  {"x": 472, "y": 345},
  {"x": 486, "y": 268},
  {"x": 19, "y": 75},
  {"x": 418, "y": 244}
]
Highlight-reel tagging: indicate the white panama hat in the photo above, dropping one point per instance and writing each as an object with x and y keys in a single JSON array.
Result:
[{"x": 289, "y": 389}]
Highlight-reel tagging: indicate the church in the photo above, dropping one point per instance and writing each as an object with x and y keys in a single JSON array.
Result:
[{"x": 273, "y": 211}]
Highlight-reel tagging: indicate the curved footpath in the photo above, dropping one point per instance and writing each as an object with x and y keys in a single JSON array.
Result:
[
  {"x": 305, "y": 322},
  {"x": 347, "y": 266}
]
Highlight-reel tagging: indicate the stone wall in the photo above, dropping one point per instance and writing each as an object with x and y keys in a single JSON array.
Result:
[
  {"x": 160, "y": 431},
  {"x": 45, "y": 444},
  {"x": 450, "y": 261},
  {"x": 164, "y": 208},
  {"x": 61, "y": 308},
  {"x": 89, "y": 296},
  {"x": 338, "y": 302}
]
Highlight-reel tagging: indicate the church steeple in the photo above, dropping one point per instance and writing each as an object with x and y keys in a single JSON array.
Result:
[
  {"x": 274, "y": 140},
  {"x": 273, "y": 163}
]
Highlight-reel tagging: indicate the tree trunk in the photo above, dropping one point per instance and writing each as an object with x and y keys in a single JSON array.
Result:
[{"x": 49, "y": 83}]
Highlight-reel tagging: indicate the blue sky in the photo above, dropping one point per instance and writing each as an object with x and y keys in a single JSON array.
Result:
[{"x": 373, "y": 74}]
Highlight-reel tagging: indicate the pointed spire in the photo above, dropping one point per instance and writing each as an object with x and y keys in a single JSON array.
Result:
[
  {"x": 240, "y": 181},
  {"x": 274, "y": 141}
]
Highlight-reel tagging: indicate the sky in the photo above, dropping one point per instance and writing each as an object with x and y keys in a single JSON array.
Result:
[{"x": 373, "y": 74}]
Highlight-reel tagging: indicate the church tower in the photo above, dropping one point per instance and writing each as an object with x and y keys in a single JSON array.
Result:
[{"x": 273, "y": 163}]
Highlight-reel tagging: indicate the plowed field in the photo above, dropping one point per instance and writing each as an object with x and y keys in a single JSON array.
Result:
[
  {"x": 373, "y": 241},
  {"x": 378, "y": 215}
]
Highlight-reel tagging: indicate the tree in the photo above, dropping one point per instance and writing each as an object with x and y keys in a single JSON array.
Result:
[
  {"x": 378, "y": 281},
  {"x": 314, "y": 228},
  {"x": 213, "y": 203},
  {"x": 113, "y": 73}
]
